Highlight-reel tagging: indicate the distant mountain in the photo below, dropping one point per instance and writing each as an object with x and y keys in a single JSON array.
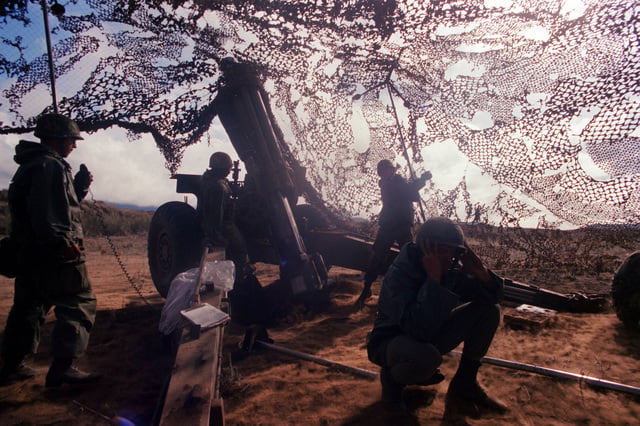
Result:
[
  {"x": 100, "y": 218},
  {"x": 134, "y": 207}
]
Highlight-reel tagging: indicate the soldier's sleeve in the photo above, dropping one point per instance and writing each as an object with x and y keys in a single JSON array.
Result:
[
  {"x": 213, "y": 211},
  {"x": 412, "y": 189},
  {"x": 470, "y": 288},
  {"x": 416, "y": 303}
]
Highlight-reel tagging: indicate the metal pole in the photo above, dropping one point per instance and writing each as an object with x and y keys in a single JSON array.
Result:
[
  {"x": 52, "y": 75},
  {"x": 594, "y": 381},
  {"x": 357, "y": 371},
  {"x": 404, "y": 148}
]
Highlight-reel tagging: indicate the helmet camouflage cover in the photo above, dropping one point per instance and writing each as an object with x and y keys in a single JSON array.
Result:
[{"x": 56, "y": 126}]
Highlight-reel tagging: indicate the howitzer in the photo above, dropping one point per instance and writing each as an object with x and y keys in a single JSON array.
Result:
[
  {"x": 277, "y": 230},
  {"x": 265, "y": 202}
]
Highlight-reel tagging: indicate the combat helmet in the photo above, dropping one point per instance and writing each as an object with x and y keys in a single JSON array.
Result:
[
  {"x": 56, "y": 126},
  {"x": 220, "y": 161},
  {"x": 443, "y": 231},
  {"x": 383, "y": 164}
]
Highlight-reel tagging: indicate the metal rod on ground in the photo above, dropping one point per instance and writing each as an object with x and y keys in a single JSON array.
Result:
[
  {"x": 357, "y": 371},
  {"x": 52, "y": 74},
  {"x": 404, "y": 148},
  {"x": 594, "y": 381},
  {"x": 91, "y": 410}
]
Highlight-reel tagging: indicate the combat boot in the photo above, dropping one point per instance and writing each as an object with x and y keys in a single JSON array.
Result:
[
  {"x": 10, "y": 374},
  {"x": 470, "y": 398},
  {"x": 366, "y": 293},
  {"x": 62, "y": 371},
  {"x": 435, "y": 378},
  {"x": 391, "y": 391}
]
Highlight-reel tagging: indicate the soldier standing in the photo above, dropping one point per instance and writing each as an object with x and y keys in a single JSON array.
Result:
[
  {"x": 396, "y": 219},
  {"x": 44, "y": 203}
]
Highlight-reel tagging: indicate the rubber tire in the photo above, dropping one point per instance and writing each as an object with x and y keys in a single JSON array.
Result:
[
  {"x": 625, "y": 292},
  {"x": 174, "y": 243}
]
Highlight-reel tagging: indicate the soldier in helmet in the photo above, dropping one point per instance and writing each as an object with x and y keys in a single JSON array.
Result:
[
  {"x": 216, "y": 212},
  {"x": 395, "y": 222},
  {"x": 44, "y": 203},
  {"x": 436, "y": 295}
]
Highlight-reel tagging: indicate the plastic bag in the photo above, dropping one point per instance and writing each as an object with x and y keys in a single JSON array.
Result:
[
  {"x": 183, "y": 287},
  {"x": 181, "y": 292},
  {"x": 219, "y": 272}
]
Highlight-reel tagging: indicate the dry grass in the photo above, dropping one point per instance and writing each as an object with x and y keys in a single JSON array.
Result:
[{"x": 98, "y": 218}]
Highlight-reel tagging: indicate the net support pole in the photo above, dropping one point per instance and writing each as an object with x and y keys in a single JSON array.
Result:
[
  {"x": 593, "y": 381},
  {"x": 47, "y": 35},
  {"x": 404, "y": 148},
  {"x": 370, "y": 375}
]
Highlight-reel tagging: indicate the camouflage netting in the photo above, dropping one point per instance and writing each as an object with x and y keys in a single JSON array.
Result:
[{"x": 526, "y": 112}]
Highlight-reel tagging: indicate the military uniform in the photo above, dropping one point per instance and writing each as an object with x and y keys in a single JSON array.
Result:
[
  {"x": 431, "y": 315},
  {"x": 45, "y": 219},
  {"x": 423, "y": 315},
  {"x": 395, "y": 222},
  {"x": 44, "y": 203},
  {"x": 216, "y": 213}
]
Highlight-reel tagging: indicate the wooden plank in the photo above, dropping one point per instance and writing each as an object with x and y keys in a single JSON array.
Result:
[{"x": 193, "y": 394}]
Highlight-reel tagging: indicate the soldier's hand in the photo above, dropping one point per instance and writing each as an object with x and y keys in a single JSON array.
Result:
[
  {"x": 431, "y": 261},
  {"x": 424, "y": 178},
  {"x": 472, "y": 265},
  {"x": 83, "y": 178},
  {"x": 72, "y": 252}
]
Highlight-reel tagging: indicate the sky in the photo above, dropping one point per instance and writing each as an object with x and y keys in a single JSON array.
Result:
[{"x": 126, "y": 172}]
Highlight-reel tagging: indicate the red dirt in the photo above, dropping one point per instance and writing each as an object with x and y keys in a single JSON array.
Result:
[{"x": 270, "y": 388}]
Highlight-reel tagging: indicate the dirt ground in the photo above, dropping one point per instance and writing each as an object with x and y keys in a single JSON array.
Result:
[{"x": 266, "y": 387}]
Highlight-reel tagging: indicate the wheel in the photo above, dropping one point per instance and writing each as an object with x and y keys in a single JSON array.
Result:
[
  {"x": 625, "y": 292},
  {"x": 174, "y": 243}
]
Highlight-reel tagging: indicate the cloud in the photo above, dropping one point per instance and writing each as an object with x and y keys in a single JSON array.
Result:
[{"x": 127, "y": 172}]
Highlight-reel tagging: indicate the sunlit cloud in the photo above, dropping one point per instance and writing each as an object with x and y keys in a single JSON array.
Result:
[{"x": 127, "y": 172}]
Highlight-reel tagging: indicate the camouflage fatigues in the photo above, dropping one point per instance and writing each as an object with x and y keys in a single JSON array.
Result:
[
  {"x": 396, "y": 220},
  {"x": 216, "y": 213},
  {"x": 44, "y": 203}
]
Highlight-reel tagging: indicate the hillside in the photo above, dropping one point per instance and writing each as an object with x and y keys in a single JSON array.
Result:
[
  {"x": 585, "y": 255},
  {"x": 98, "y": 218}
]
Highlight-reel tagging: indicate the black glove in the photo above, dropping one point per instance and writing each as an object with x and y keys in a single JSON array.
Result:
[
  {"x": 424, "y": 178},
  {"x": 81, "y": 181}
]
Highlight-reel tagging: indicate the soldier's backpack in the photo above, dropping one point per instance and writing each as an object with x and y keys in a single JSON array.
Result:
[{"x": 8, "y": 257}]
